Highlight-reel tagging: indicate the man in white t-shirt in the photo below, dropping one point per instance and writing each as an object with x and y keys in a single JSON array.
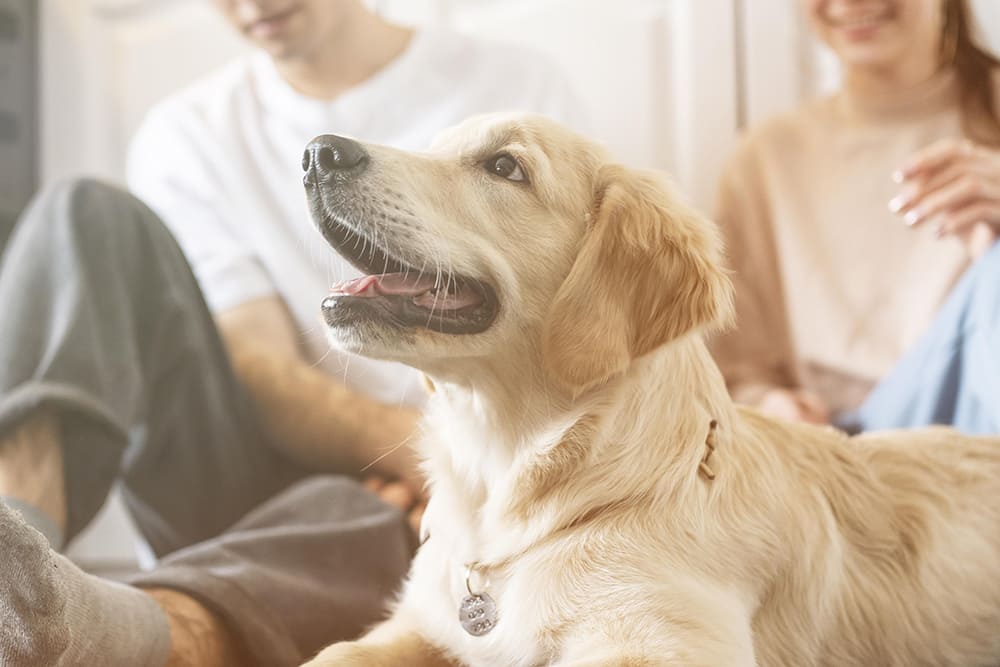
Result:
[
  {"x": 112, "y": 368},
  {"x": 220, "y": 161}
]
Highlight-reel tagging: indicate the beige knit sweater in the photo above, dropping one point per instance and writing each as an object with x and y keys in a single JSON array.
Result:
[{"x": 831, "y": 287}]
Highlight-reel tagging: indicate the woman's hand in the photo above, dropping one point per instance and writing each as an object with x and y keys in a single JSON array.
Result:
[
  {"x": 795, "y": 405},
  {"x": 954, "y": 186}
]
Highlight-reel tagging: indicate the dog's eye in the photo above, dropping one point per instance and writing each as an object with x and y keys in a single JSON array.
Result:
[{"x": 505, "y": 166}]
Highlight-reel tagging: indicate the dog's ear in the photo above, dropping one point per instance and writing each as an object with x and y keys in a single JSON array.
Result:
[{"x": 649, "y": 270}]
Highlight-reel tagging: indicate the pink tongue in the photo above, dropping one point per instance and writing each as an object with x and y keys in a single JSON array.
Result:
[
  {"x": 394, "y": 284},
  {"x": 420, "y": 287}
]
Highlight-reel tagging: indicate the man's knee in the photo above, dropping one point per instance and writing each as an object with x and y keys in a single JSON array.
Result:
[
  {"x": 76, "y": 198},
  {"x": 84, "y": 189},
  {"x": 89, "y": 214}
]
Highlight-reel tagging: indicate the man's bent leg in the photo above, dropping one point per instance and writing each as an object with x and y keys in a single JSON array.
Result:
[
  {"x": 31, "y": 476},
  {"x": 952, "y": 375},
  {"x": 103, "y": 325},
  {"x": 53, "y": 614},
  {"x": 314, "y": 565},
  {"x": 198, "y": 637}
]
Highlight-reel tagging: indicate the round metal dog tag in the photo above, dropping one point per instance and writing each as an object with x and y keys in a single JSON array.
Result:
[{"x": 478, "y": 614}]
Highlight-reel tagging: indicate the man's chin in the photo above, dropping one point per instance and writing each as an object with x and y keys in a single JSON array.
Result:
[
  {"x": 281, "y": 51},
  {"x": 284, "y": 48}
]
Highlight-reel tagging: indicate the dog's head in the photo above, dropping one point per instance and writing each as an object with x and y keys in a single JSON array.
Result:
[{"x": 512, "y": 229}]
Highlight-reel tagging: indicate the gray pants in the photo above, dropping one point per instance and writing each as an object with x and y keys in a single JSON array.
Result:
[{"x": 102, "y": 321}]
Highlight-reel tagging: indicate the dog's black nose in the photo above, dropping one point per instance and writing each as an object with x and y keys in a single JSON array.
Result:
[{"x": 329, "y": 155}]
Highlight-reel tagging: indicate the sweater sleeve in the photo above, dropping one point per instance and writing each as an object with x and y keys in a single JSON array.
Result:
[{"x": 756, "y": 354}]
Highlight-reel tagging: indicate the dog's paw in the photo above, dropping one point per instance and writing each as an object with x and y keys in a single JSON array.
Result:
[{"x": 347, "y": 654}]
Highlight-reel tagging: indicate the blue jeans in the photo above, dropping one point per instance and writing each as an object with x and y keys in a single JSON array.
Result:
[{"x": 952, "y": 375}]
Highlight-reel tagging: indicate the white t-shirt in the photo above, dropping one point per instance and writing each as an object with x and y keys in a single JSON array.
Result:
[{"x": 220, "y": 162}]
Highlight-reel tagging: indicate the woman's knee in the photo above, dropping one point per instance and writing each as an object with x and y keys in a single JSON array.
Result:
[{"x": 986, "y": 290}]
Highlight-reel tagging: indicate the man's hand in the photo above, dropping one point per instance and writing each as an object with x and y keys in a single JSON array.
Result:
[
  {"x": 794, "y": 405},
  {"x": 954, "y": 186},
  {"x": 315, "y": 420},
  {"x": 401, "y": 495}
]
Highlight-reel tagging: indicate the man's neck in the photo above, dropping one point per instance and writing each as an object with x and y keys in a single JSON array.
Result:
[{"x": 363, "y": 46}]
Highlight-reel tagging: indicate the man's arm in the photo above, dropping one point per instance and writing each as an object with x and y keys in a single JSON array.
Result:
[{"x": 315, "y": 420}]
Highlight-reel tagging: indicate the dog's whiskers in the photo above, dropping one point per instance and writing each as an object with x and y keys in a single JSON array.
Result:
[
  {"x": 391, "y": 451},
  {"x": 384, "y": 244},
  {"x": 319, "y": 362}
]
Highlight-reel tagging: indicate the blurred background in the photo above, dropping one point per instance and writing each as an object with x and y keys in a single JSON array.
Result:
[{"x": 668, "y": 84}]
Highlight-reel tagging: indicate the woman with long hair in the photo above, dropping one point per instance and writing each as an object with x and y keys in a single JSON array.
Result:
[{"x": 862, "y": 230}]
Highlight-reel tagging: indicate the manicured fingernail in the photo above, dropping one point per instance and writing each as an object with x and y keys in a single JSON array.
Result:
[
  {"x": 912, "y": 217},
  {"x": 897, "y": 203},
  {"x": 898, "y": 176}
]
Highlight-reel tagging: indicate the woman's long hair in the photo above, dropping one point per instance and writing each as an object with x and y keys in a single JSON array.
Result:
[{"x": 975, "y": 68}]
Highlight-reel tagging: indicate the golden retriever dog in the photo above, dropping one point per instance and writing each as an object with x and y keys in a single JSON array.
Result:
[{"x": 596, "y": 497}]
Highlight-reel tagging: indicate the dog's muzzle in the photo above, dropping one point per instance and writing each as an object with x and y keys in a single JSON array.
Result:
[{"x": 394, "y": 290}]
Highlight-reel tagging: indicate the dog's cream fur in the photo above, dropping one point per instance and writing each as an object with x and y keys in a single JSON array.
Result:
[{"x": 564, "y": 445}]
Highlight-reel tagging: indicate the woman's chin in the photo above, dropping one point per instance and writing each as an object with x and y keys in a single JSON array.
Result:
[{"x": 875, "y": 53}]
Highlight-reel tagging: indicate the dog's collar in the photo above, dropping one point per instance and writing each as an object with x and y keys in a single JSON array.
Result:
[
  {"x": 478, "y": 610},
  {"x": 703, "y": 468}
]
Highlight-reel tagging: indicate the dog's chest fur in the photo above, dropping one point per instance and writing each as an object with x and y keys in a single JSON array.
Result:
[
  {"x": 438, "y": 582},
  {"x": 817, "y": 586},
  {"x": 467, "y": 521}
]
